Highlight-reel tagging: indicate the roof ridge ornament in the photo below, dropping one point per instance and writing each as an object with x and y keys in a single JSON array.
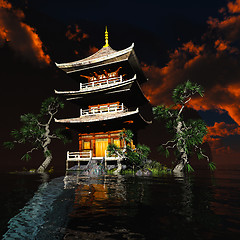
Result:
[{"x": 106, "y": 38}]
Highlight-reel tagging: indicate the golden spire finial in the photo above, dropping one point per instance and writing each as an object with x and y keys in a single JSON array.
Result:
[{"x": 106, "y": 38}]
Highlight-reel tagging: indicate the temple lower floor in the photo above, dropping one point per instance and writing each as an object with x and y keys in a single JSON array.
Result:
[{"x": 98, "y": 142}]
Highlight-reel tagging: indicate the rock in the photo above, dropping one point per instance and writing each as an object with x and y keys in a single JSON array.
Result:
[
  {"x": 143, "y": 172},
  {"x": 93, "y": 169}
]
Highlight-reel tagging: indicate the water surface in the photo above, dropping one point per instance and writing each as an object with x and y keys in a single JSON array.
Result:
[{"x": 200, "y": 206}]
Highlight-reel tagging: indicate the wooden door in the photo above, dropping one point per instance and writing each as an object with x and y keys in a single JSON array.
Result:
[{"x": 101, "y": 146}]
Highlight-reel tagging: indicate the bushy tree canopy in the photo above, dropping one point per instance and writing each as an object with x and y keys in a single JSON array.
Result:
[
  {"x": 187, "y": 135},
  {"x": 35, "y": 130},
  {"x": 134, "y": 156}
]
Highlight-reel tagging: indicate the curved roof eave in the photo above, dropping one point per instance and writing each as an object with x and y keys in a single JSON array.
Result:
[
  {"x": 95, "y": 118},
  {"x": 96, "y": 57}
]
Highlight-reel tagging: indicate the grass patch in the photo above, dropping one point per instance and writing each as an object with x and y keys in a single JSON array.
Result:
[{"x": 155, "y": 167}]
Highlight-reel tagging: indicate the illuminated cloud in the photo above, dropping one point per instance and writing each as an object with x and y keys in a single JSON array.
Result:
[
  {"x": 92, "y": 50},
  {"x": 219, "y": 131},
  {"x": 223, "y": 129},
  {"x": 20, "y": 36},
  {"x": 214, "y": 63},
  {"x": 75, "y": 33},
  {"x": 234, "y": 7},
  {"x": 5, "y": 4}
]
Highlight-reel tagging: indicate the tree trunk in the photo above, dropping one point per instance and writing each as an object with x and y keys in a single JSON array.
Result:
[
  {"x": 119, "y": 168},
  {"x": 46, "y": 152},
  {"x": 181, "y": 146},
  {"x": 46, "y": 162},
  {"x": 179, "y": 167}
]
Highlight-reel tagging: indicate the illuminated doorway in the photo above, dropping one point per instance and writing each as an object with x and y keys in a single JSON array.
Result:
[{"x": 101, "y": 146}]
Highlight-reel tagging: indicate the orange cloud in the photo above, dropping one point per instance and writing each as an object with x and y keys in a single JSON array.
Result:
[
  {"x": 5, "y": 4},
  {"x": 222, "y": 98},
  {"x": 219, "y": 131},
  {"x": 221, "y": 45},
  {"x": 214, "y": 64},
  {"x": 230, "y": 25},
  {"x": 36, "y": 43},
  {"x": 192, "y": 48},
  {"x": 75, "y": 33},
  {"x": 20, "y": 36},
  {"x": 92, "y": 50},
  {"x": 208, "y": 71},
  {"x": 223, "y": 129},
  {"x": 234, "y": 7}
]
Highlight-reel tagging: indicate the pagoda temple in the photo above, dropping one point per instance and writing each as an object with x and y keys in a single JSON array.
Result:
[{"x": 109, "y": 98}]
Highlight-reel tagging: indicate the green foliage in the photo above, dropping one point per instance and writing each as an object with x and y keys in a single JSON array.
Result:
[
  {"x": 9, "y": 145},
  {"x": 200, "y": 155},
  {"x": 137, "y": 156},
  {"x": 133, "y": 156},
  {"x": 163, "y": 150},
  {"x": 111, "y": 171},
  {"x": 30, "y": 131},
  {"x": 184, "y": 91},
  {"x": 143, "y": 151},
  {"x": 187, "y": 136},
  {"x": 212, "y": 166},
  {"x": 189, "y": 168},
  {"x": 26, "y": 157},
  {"x": 128, "y": 172},
  {"x": 163, "y": 112},
  {"x": 127, "y": 136},
  {"x": 156, "y": 168},
  {"x": 50, "y": 106},
  {"x": 193, "y": 133},
  {"x": 113, "y": 150},
  {"x": 167, "y": 153},
  {"x": 35, "y": 129}
]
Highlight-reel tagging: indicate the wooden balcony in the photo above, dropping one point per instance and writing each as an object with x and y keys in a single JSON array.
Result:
[
  {"x": 103, "y": 109},
  {"x": 106, "y": 82}
]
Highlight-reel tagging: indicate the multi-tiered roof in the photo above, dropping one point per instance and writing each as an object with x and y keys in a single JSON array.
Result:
[{"x": 109, "y": 94}]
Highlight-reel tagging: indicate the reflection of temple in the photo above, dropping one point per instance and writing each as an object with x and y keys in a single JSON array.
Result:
[
  {"x": 89, "y": 195},
  {"x": 110, "y": 99},
  {"x": 95, "y": 193}
]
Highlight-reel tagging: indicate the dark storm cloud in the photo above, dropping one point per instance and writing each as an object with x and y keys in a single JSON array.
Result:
[{"x": 213, "y": 62}]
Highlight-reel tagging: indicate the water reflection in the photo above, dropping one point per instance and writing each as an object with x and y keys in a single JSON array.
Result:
[
  {"x": 121, "y": 207},
  {"x": 44, "y": 214},
  {"x": 128, "y": 207},
  {"x": 101, "y": 207}
]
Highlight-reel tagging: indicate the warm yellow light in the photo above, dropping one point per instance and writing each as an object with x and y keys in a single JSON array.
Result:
[{"x": 106, "y": 38}]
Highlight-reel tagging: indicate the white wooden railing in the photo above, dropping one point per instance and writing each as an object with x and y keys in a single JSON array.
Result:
[
  {"x": 114, "y": 157},
  {"x": 78, "y": 157},
  {"x": 103, "y": 109},
  {"x": 104, "y": 82},
  {"x": 72, "y": 156},
  {"x": 86, "y": 156}
]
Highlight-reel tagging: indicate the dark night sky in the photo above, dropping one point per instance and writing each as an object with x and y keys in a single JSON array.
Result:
[{"x": 174, "y": 41}]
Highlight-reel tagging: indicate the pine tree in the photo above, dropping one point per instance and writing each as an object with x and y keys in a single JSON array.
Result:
[
  {"x": 36, "y": 131},
  {"x": 187, "y": 135}
]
